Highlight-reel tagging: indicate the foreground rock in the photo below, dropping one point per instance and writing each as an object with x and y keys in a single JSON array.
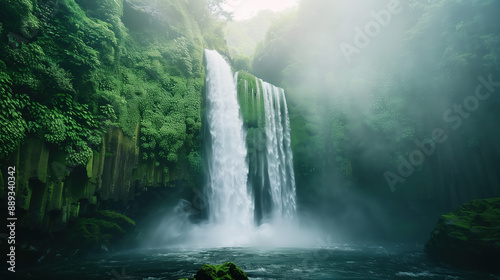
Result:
[
  {"x": 226, "y": 271},
  {"x": 469, "y": 236}
]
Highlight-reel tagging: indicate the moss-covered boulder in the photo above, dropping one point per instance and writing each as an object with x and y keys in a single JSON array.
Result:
[
  {"x": 225, "y": 271},
  {"x": 105, "y": 229},
  {"x": 121, "y": 220},
  {"x": 468, "y": 236}
]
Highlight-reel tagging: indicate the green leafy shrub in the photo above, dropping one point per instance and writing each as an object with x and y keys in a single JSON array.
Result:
[{"x": 14, "y": 127}]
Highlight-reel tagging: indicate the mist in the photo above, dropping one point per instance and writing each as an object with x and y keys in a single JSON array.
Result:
[{"x": 379, "y": 87}]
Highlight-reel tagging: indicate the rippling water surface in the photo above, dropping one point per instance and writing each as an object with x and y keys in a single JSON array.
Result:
[{"x": 327, "y": 262}]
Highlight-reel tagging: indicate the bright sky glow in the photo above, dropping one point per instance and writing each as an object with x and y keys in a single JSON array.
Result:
[{"x": 245, "y": 9}]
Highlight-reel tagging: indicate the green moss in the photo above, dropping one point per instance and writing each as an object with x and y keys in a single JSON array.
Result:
[
  {"x": 459, "y": 221},
  {"x": 85, "y": 234},
  {"x": 251, "y": 104},
  {"x": 468, "y": 235},
  {"x": 122, "y": 220},
  {"x": 226, "y": 271},
  {"x": 105, "y": 229}
]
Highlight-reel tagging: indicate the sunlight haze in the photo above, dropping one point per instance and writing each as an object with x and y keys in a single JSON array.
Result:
[{"x": 245, "y": 9}]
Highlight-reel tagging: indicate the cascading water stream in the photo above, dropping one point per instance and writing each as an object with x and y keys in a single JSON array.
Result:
[
  {"x": 231, "y": 204},
  {"x": 279, "y": 153}
]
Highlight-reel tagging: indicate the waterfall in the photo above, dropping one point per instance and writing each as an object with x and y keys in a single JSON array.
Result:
[
  {"x": 271, "y": 175},
  {"x": 279, "y": 152},
  {"x": 230, "y": 202},
  {"x": 250, "y": 185},
  {"x": 249, "y": 194}
]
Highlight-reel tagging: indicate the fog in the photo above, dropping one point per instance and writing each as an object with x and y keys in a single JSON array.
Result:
[{"x": 387, "y": 127}]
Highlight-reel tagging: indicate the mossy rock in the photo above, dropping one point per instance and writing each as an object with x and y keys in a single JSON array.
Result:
[
  {"x": 123, "y": 221},
  {"x": 84, "y": 233},
  {"x": 468, "y": 236},
  {"x": 225, "y": 271},
  {"x": 106, "y": 229}
]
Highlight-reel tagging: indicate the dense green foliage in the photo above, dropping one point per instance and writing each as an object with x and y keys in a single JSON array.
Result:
[{"x": 71, "y": 68}]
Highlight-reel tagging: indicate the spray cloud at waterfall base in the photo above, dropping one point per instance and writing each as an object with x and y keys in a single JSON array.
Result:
[{"x": 249, "y": 195}]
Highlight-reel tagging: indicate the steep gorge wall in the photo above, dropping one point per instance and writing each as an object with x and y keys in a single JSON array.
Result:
[{"x": 50, "y": 192}]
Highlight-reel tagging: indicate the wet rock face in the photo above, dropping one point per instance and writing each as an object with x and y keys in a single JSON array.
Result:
[
  {"x": 469, "y": 236},
  {"x": 51, "y": 192}
]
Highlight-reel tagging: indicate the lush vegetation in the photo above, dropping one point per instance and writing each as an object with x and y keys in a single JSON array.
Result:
[{"x": 70, "y": 69}]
